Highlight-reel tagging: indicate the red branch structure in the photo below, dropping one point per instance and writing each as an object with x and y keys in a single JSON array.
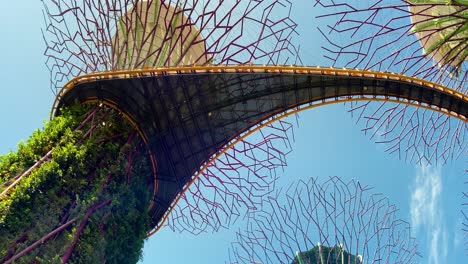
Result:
[
  {"x": 399, "y": 36},
  {"x": 333, "y": 214},
  {"x": 235, "y": 183},
  {"x": 91, "y": 36}
]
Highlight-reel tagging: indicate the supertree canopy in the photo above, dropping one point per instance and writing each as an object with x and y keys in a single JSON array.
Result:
[
  {"x": 420, "y": 38},
  {"x": 88, "y": 36},
  {"x": 441, "y": 30},
  {"x": 325, "y": 222}
]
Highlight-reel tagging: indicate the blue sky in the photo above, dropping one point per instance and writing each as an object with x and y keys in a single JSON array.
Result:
[{"x": 326, "y": 143}]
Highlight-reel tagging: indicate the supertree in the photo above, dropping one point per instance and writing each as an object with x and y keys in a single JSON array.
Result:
[
  {"x": 89, "y": 36},
  {"x": 325, "y": 222},
  {"x": 425, "y": 39},
  {"x": 167, "y": 72},
  {"x": 149, "y": 34}
]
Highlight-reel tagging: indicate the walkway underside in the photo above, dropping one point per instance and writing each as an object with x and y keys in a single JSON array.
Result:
[{"x": 187, "y": 115}]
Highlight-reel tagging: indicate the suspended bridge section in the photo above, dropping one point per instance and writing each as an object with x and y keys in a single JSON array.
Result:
[{"x": 189, "y": 116}]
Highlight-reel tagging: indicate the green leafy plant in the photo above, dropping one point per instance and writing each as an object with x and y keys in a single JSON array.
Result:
[{"x": 71, "y": 192}]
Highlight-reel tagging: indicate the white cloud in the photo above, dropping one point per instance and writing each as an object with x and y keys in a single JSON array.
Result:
[
  {"x": 427, "y": 217},
  {"x": 459, "y": 236}
]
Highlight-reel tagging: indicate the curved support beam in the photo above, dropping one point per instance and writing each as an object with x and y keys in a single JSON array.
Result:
[{"x": 189, "y": 116}]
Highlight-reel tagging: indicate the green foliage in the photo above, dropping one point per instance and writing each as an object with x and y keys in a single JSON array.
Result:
[
  {"x": 40, "y": 142},
  {"x": 83, "y": 171},
  {"x": 323, "y": 254}
]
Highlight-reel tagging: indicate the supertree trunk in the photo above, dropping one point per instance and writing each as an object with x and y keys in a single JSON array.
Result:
[{"x": 55, "y": 210}]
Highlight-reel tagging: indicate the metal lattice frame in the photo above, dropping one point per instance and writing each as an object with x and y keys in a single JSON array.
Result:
[
  {"x": 331, "y": 214},
  {"x": 395, "y": 37}
]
